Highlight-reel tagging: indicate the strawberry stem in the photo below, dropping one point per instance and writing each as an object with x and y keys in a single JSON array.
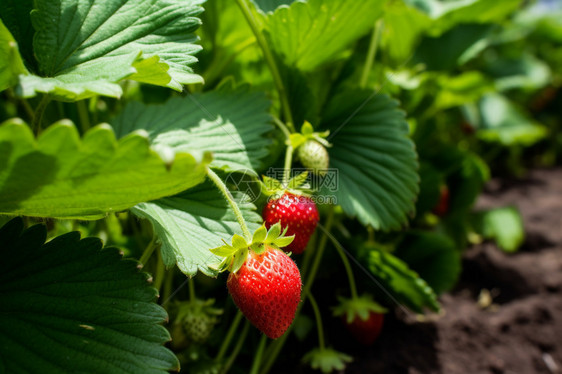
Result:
[
  {"x": 318, "y": 317},
  {"x": 287, "y": 166},
  {"x": 229, "y": 335},
  {"x": 258, "y": 355},
  {"x": 149, "y": 250},
  {"x": 191, "y": 286},
  {"x": 371, "y": 53},
  {"x": 228, "y": 196},
  {"x": 345, "y": 260},
  {"x": 270, "y": 60},
  {"x": 237, "y": 348}
]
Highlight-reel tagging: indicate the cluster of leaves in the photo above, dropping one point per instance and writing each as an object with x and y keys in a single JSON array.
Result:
[{"x": 137, "y": 178}]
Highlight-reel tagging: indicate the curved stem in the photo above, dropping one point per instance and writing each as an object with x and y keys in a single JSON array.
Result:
[
  {"x": 191, "y": 286},
  {"x": 258, "y": 355},
  {"x": 287, "y": 166},
  {"x": 270, "y": 60},
  {"x": 228, "y": 196},
  {"x": 282, "y": 127},
  {"x": 346, "y": 265},
  {"x": 159, "y": 274},
  {"x": 229, "y": 335},
  {"x": 275, "y": 348},
  {"x": 168, "y": 284},
  {"x": 237, "y": 348},
  {"x": 318, "y": 317},
  {"x": 371, "y": 53},
  {"x": 39, "y": 111},
  {"x": 148, "y": 251},
  {"x": 83, "y": 115}
]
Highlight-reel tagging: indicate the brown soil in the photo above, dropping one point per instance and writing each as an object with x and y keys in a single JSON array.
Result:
[
  {"x": 521, "y": 330},
  {"x": 517, "y": 329}
]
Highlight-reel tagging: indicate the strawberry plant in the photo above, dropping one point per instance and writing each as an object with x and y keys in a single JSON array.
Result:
[{"x": 164, "y": 164}]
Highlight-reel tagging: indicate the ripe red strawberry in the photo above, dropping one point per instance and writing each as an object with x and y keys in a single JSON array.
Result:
[
  {"x": 365, "y": 331},
  {"x": 298, "y": 213},
  {"x": 267, "y": 289},
  {"x": 362, "y": 316},
  {"x": 442, "y": 206}
]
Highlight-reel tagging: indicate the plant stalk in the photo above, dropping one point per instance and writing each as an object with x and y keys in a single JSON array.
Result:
[
  {"x": 318, "y": 318},
  {"x": 84, "y": 117},
  {"x": 149, "y": 250},
  {"x": 228, "y": 196},
  {"x": 258, "y": 355},
  {"x": 371, "y": 53},
  {"x": 159, "y": 273},
  {"x": 270, "y": 60},
  {"x": 237, "y": 348},
  {"x": 229, "y": 335},
  {"x": 39, "y": 112},
  {"x": 346, "y": 264}
]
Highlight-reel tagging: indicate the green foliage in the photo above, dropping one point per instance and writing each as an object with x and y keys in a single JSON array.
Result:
[
  {"x": 308, "y": 34},
  {"x": 394, "y": 275},
  {"x": 69, "y": 306},
  {"x": 11, "y": 64},
  {"x": 15, "y": 15},
  {"x": 433, "y": 256},
  {"x": 83, "y": 49},
  {"x": 364, "y": 129},
  {"x": 192, "y": 222},
  {"x": 60, "y": 175},
  {"x": 230, "y": 123},
  {"x": 504, "y": 225},
  {"x": 327, "y": 360}
]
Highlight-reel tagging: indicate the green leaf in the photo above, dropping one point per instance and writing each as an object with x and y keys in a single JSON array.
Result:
[
  {"x": 504, "y": 225},
  {"x": 84, "y": 48},
  {"x": 68, "y": 306},
  {"x": 453, "y": 48},
  {"x": 403, "y": 28},
  {"x": 270, "y": 5},
  {"x": 61, "y": 175},
  {"x": 230, "y": 123},
  {"x": 15, "y": 15},
  {"x": 193, "y": 222},
  {"x": 308, "y": 34},
  {"x": 11, "y": 64},
  {"x": 405, "y": 285},
  {"x": 433, "y": 256},
  {"x": 526, "y": 72},
  {"x": 327, "y": 360},
  {"x": 375, "y": 160},
  {"x": 501, "y": 121},
  {"x": 460, "y": 89}
]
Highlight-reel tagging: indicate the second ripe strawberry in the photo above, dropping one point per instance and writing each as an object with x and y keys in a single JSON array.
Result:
[{"x": 298, "y": 213}]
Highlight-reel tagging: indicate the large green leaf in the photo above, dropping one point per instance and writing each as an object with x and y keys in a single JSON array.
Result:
[
  {"x": 70, "y": 307},
  {"x": 83, "y": 48},
  {"x": 307, "y": 34},
  {"x": 524, "y": 72},
  {"x": 375, "y": 159},
  {"x": 504, "y": 225},
  {"x": 229, "y": 123},
  {"x": 433, "y": 256},
  {"x": 191, "y": 223},
  {"x": 271, "y": 5},
  {"x": 61, "y": 175},
  {"x": 501, "y": 121},
  {"x": 403, "y": 284},
  {"x": 15, "y": 15},
  {"x": 11, "y": 64}
]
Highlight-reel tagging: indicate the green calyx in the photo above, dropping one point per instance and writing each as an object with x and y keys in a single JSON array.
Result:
[
  {"x": 326, "y": 360},
  {"x": 236, "y": 253},
  {"x": 297, "y": 185},
  {"x": 360, "y": 307},
  {"x": 307, "y": 133}
]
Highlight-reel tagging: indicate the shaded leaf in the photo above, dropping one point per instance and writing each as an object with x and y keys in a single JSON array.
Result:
[
  {"x": 61, "y": 175},
  {"x": 376, "y": 162},
  {"x": 405, "y": 285},
  {"x": 433, "y": 256},
  {"x": 69, "y": 306},
  {"x": 11, "y": 64},
  {"x": 230, "y": 123},
  {"x": 193, "y": 222},
  {"x": 504, "y": 225}
]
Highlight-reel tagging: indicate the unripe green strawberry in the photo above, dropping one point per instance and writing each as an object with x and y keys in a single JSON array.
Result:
[
  {"x": 314, "y": 156},
  {"x": 198, "y": 327},
  {"x": 267, "y": 289},
  {"x": 296, "y": 213}
]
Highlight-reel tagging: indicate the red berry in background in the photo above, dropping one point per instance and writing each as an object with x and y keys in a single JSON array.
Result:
[
  {"x": 365, "y": 331},
  {"x": 298, "y": 213},
  {"x": 267, "y": 289},
  {"x": 442, "y": 206}
]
